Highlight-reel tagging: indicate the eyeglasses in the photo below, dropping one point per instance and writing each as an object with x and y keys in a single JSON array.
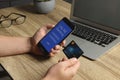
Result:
[{"x": 13, "y": 18}]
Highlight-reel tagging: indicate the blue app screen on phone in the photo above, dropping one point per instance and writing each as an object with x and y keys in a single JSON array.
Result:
[{"x": 56, "y": 35}]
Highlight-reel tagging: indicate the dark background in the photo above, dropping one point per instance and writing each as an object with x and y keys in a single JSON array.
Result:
[{"x": 10, "y": 3}]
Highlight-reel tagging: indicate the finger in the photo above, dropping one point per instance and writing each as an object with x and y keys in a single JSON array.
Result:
[
  {"x": 51, "y": 54},
  {"x": 57, "y": 47},
  {"x": 42, "y": 31},
  {"x": 73, "y": 69},
  {"x": 55, "y": 51},
  {"x": 50, "y": 26},
  {"x": 45, "y": 28},
  {"x": 63, "y": 43},
  {"x": 70, "y": 62}
]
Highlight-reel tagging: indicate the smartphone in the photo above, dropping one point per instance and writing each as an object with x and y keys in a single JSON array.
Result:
[
  {"x": 4, "y": 75},
  {"x": 72, "y": 50},
  {"x": 56, "y": 35}
]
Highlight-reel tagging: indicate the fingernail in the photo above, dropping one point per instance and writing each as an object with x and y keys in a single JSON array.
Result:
[{"x": 74, "y": 59}]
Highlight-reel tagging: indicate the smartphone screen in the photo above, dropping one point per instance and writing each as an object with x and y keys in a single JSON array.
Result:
[
  {"x": 4, "y": 75},
  {"x": 56, "y": 35}
]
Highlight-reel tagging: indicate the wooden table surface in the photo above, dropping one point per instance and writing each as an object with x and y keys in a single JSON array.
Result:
[{"x": 29, "y": 67}]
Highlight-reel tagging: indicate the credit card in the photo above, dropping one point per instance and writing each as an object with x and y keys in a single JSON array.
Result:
[{"x": 72, "y": 50}]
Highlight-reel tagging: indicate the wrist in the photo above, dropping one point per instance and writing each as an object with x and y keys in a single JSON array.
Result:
[
  {"x": 33, "y": 46},
  {"x": 29, "y": 42}
]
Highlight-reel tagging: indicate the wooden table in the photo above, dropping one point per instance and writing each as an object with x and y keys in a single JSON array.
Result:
[{"x": 29, "y": 67}]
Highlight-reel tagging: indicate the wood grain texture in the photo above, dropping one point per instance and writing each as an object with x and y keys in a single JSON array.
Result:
[{"x": 29, "y": 67}]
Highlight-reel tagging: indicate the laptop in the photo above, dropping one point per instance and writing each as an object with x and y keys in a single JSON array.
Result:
[{"x": 97, "y": 27}]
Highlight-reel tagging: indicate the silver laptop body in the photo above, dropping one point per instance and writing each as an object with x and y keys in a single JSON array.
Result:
[{"x": 100, "y": 15}]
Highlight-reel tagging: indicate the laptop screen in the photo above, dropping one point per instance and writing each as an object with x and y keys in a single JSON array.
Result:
[{"x": 104, "y": 14}]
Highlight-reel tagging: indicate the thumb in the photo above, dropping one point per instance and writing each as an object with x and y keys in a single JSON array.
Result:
[
  {"x": 50, "y": 26},
  {"x": 70, "y": 62},
  {"x": 73, "y": 69}
]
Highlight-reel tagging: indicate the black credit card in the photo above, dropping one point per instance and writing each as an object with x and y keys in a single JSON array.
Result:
[{"x": 72, "y": 50}]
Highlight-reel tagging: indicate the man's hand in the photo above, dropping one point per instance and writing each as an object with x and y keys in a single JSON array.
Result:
[
  {"x": 38, "y": 36},
  {"x": 64, "y": 70}
]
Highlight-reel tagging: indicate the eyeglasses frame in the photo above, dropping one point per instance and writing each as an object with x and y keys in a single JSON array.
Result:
[{"x": 12, "y": 20}]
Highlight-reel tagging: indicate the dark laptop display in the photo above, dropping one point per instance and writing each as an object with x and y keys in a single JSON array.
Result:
[{"x": 104, "y": 13}]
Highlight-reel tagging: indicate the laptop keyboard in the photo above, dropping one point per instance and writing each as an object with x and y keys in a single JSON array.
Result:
[{"x": 92, "y": 35}]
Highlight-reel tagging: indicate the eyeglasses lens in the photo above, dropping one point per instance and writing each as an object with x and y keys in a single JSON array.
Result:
[
  {"x": 6, "y": 23},
  {"x": 20, "y": 20}
]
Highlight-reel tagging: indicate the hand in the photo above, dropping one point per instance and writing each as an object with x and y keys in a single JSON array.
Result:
[
  {"x": 38, "y": 36},
  {"x": 64, "y": 70}
]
